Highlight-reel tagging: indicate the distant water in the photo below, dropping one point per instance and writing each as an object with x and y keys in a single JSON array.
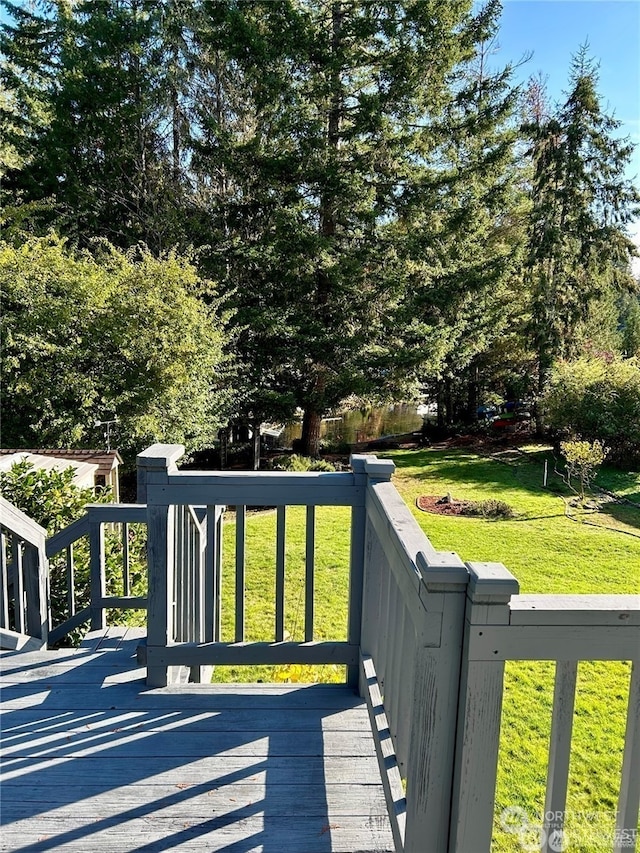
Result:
[{"x": 363, "y": 424}]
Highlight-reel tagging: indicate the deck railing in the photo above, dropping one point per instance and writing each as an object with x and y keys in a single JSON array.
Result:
[
  {"x": 89, "y": 530},
  {"x": 426, "y": 641},
  {"x": 427, "y": 638},
  {"x": 168, "y": 492},
  {"x": 501, "y": 625},
  {"x": 24, "y": 594}
]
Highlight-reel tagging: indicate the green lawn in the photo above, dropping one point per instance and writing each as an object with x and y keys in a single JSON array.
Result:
[{"x": 545, "y": 550}]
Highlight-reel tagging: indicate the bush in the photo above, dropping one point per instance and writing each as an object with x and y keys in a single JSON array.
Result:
[
  {"x": 598, "y": 399},
  {"x": 294, "y": 462},
  {"x": 490, "y": 508},
  {"x": 93, "y": 336}
]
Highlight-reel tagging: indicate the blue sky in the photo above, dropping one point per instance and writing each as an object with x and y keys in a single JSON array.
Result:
[{"x": 553, "y": 30}]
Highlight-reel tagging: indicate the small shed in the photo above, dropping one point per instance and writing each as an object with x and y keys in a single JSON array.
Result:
[{"x": 93, "y": 468}]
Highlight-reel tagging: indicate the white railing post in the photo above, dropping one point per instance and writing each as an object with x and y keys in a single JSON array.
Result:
[
  {"x": 154, "y": 466},
  {"x": 490, "y": 589}
]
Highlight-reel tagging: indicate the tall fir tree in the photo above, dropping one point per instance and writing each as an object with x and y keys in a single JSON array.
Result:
[
  {"x": 323, "y": 175},
  {"x": 581, "y": 204},
  {"x": 471, "y": 247},
  {"x": 104, "y": 159}
]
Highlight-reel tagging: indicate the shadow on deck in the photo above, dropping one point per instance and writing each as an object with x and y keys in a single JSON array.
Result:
[{"x": 93, "y": 760}]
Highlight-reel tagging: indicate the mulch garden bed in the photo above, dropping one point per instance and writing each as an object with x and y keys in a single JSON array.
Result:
[
  {"x": 443, "y": 505},
  {"x": 447, "y": 505}
]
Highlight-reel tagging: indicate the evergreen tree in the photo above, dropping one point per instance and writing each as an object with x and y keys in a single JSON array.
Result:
[
  {"x": 471, "y": 247},
  {"x": 322, "y": 176},
  {"x": 578, "y": 247},
  {"x": 99, "y": 70}
]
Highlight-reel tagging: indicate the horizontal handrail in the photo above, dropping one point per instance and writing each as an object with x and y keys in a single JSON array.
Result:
[
  {"x": 587, "y": 609},
  {"x": 76, "y": 530},
  {"x": 20, "y": 524},
  {"x": 268, "y": 488},
  {"x": 98, "y": 513},
  {"x": 254, "y": 653}
]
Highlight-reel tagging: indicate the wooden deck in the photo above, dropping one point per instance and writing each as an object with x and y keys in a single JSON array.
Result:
[{"x": 94, "y": 761}]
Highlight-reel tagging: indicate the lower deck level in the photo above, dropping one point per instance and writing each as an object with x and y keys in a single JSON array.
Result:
[{"x": 94, "y": 761}]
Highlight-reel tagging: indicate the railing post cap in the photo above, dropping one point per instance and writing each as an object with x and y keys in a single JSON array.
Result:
[
  {"x": 442, "y": 567},
  {"x": 368, "y": 463},
  {"x": 379, "y": 469},
  {"x": 160, "y": 456},
  {"x": 357, "y": 462},
  {"x": 493, "y": 580}
]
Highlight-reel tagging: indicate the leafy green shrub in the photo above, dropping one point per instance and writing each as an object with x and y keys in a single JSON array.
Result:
[
  {"x": 49, "y": 497},
  {"x": 294, "y": 462},
  {"x": 490, "y": 508},
  {"x": 88, "y": 336},
  {"x": 598, "y": 399}
]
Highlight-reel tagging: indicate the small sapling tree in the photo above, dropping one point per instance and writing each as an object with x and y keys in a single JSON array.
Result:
[{"x": 582, "y": 458}]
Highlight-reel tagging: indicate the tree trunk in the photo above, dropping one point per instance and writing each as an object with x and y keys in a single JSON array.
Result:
[
  {"x": 255, "y": 445},
  {"x": 310, "y": 440}
]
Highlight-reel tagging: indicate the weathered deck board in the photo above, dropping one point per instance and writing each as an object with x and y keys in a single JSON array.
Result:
[{"x": 95, "y": 761}]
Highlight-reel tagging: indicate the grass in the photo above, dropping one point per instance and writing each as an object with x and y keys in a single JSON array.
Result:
[
  {"x": 547, "y": 551},
  {"x": 331, "y": 587}
]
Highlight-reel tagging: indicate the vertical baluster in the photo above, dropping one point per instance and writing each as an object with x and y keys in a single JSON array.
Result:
[
  {"x": 385, "y": 604},
  {"x": 36, "y": 605},
  {"x": 184, "y": 575},
  {"x": 194, "y": 597},
  {"x": 184, "y": 587},
  {"x": 371, "y": 597},
  {"x": 97, "y": 573},
  {"x": 394, "y": 683},
  {"x": 394, "y": 641},
  {"x": 280, "y": 567},
  {"x": 241, "y": 521},
  {"x": 629, "y": 799},
  {"x": 175, "y": 511},
  {"x": 217, "y": 625},
  {"x": 188, "y": 580},
  {"x": 559, "y": 752},
  {"x": 4, "y": 583},
  {"x": 71, "y": 581},
  {"x": 18, "y": 586},
  {"x": 405, "y": 694},
  {"x": 126, "y": 580},
  {"x": 199, "y": 538},
  {"x": 309, "y": 576},
  {"x": 356, "y": 581},
  {"x": 210, "y": 582},
  {"x": 195, "y": 574}
]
